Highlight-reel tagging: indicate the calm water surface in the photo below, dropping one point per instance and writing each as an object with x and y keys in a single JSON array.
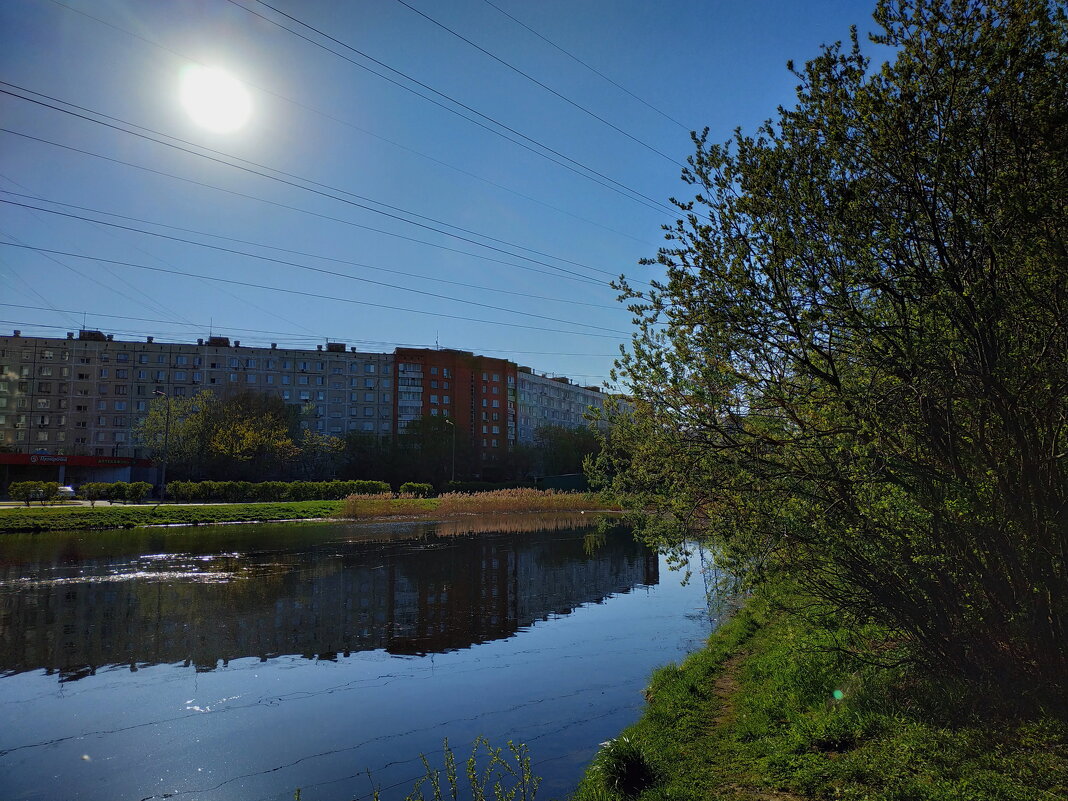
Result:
[{"x": 243, "y": 662}]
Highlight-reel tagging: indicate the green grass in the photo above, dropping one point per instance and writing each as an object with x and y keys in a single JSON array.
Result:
[
  {"x": 770, "y": 709},
  {"x": 36, "y": 518},
  {"x": 453, "y": 504}
]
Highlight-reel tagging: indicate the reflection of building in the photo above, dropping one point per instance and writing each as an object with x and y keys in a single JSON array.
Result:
[{"x": 443, "y": 594}]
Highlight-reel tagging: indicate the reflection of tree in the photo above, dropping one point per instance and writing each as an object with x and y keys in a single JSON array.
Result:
[{"x": 431, "y": 594}]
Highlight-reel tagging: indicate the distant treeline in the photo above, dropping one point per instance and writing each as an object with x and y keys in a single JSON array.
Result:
[{"x": 245, "y": 491}]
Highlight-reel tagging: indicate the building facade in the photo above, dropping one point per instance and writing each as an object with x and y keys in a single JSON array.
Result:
[{"x": 84, "y": 395}]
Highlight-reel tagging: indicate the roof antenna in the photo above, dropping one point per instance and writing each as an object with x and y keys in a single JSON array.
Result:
[
  {"x": 437, "y": 344},
  {"x": 211, "y": 322}
]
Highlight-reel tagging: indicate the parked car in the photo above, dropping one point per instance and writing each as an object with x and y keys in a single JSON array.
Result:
[{"x": 66, "y": 493}]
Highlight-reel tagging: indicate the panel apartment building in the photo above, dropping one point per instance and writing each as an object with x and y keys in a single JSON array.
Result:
[{"x": 82, "y": 395}]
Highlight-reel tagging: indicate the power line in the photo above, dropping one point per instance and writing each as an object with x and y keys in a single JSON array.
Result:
[
  {"x": 534, "y": 80},
  {"x": 293, "y": 334},
  {"x": 257, "y": 169},
  {"x": 568, "y": 277},
  {"x": 309, "y": 268},
  {"x": 365, "y": 131},
  {"x": 293, "y": 252},
  {"x": 578, "y": 167},
  {"x": 306, "y": 294},
  {"x": 592, "y": 69}
]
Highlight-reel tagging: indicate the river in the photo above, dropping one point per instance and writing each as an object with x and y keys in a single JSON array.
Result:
[{"x": 244, "y": 662}]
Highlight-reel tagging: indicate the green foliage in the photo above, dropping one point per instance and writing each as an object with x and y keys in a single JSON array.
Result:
[
  {"x": 417, "y": 489},
  {"x": 24, "y": 491},
  {"x": 137, "y": 491},
  {"x": 67, "y": 518},
  {"x": 93, "y": 491},
  {"x": 855, "y": 372},
  {"x": 623, "y": 768},
  {"x": 268, "y": 491},
  {"x": 117, "y": 491},
  {"x": 774, "y": 704},
  {"x": 562, "y": 450}
]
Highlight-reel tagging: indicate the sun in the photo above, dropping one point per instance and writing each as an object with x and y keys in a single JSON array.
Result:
[{"x": 214, "y": 99}]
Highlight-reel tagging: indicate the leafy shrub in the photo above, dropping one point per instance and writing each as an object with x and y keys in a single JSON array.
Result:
[
  {"x": 25, "y": 491},
  {"x": 138, "y": 491},
  {"x": 416, "y": 489},
  {"x": 93, "y": 491},
  {"x": 118, "y": 491}
]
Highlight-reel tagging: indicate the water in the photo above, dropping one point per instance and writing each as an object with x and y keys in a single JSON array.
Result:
[{"x": 243, "y": 662}]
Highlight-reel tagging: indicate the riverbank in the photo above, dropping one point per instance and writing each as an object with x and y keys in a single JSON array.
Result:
[
  {"x": 371, "y": 507},
  {"x": 770, "y": 711}
]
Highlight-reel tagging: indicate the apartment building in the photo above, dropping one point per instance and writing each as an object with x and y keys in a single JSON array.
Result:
[
  {"x": 81, "y": 397},
  {"x": 84, "y": 394},
  {"x": 552, "y": 401},
  {"x": 477, "y": 393}
]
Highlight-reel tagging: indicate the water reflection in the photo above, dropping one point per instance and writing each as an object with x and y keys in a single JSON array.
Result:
[{"x": 72, "y": 604}]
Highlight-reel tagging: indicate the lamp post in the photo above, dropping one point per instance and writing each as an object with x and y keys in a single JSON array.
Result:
[
  {"x": 166, "y": 445},
  {"x": 451, "y": 424}
]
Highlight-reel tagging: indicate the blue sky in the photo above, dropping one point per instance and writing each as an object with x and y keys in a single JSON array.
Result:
[{"x": 414, "y": 225}]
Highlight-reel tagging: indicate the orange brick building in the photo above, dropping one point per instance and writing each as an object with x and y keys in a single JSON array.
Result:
[{"x": 477, "y": 393}]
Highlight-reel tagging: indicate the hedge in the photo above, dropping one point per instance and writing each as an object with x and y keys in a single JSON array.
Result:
[{"x": 269, "y": 491}]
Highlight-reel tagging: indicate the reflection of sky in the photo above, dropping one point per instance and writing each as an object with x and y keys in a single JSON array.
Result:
[
  {"x": 323, "y": 118},
  {"x": 251, "y": 729}
]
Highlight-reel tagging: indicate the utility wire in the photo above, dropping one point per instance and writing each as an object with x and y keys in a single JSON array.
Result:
[
  {"x": 307, "y": 294},
  {"x": 294, "y": 181},
  {"x": 300, "y": 252},
  {"x": 288, "y": 207},
  {"x": 440, "y": 162},
  {"x": 285, "y": 263},
  {"x": 534, "y": 80},
  {"x": 577, "y": 167},
  {"x": 592, "y": 69},
  {"x": 293, "y": 334}
]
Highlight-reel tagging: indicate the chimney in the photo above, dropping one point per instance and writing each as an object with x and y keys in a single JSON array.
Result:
[
  {"x": 18, "y": 333},
  {"x": 274, "y": 346},
  {"x": 318, "y": 347},
  {"x": 149, "y": 340},
  {"x": 70, "y": 335},
  {"x": 111, "y": 337},
  {"x": 200, "y": 340},
  {"x": 237, "y": 343}
]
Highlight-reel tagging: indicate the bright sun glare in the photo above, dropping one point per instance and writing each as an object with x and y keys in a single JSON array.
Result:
[{"x": 215, "y": 99}]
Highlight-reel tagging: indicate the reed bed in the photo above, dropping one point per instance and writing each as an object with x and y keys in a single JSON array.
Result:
[{"x": 455, "y": 504}]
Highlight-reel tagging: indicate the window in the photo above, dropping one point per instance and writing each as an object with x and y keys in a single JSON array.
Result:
[
  {"x": 285, "y": 394},
  {"x": 368, "y": 426},
  {"x": 320, "y": 365},
  {"x": 103, "y": 372},
  {"x": 483, "y": 403},
  {"x": 494, "y": 443},
  {"x": 178, "y": 376},
  {"x": 122, "y": 373},
  {"x": 305, "y": 395},
  {"x": 369, "y": 383},
  {"x": 285, "y": 380},
  {"x": 368, "y": 411},
  {"x": 233, "y": 378},
  {"x": 368, "y": 368},
  {"x": 250, "y": 362},
  {"x": 496, "y": 390},
  {"x": 321, "y": 396},
  {"x": 446, "y": 372},
  {"x": 142, "y": 359},
  {"x": 496, "y": 376},
  {"x": 445, "y": 399},
  {"x": 120, "y": 406},
  {"x": 270, "y": 379},
  {"x": 434, "y": 399},
  {"x": 496, "y": 404},
  {"x": 161, "y": 375},
  {"x": 433, "y": 384},
  {"x": 197, "y": 377},
  {"x": 302, "y": 380},
  {"x": 369, "y": 397},
  {"x": 181, "y": 360},
  {"x": 433, "y": 371},
  {"x": 319, "y": 381},
  {"x": 101, "y": 406},
  {"x": 485, "y": 429},
  {"x": 496, "y": 429},
  {"x": 233, "y": 362},
  {"x": 120, "y": 436},
  {"x": 142, "y": 406}
]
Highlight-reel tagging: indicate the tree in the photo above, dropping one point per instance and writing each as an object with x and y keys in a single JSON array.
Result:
[
  {"x": 562, "y": 450},
  {"x": 855, "y": 370}
]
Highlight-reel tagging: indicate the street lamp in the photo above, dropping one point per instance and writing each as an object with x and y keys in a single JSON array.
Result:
[
  {"x": 166, "y": 445},
  {"x": 449, "y": 422}
]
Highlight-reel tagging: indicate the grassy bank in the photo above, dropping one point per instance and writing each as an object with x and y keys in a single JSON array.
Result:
[
  {"x": 770, "y": 711},
  {"x": 88, "y": 518},
  {"x": 357, "y": 507}
]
